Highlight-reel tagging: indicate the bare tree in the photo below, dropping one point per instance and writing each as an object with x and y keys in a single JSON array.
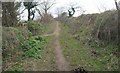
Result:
[
  {"x": 59, "y": 11},
  {"x": 29, "y": 6},
  {"x": 71, "y": 13},
  {"x": 74, "y": 7},
  {"x": 39, "y": 12},
  {"x": 43, "y": 9},
  {"x": 46, "y": 5}
]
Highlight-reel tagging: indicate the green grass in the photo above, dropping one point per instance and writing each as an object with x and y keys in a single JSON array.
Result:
[
  {"x": 79, "y": 54},
  {"x": 47, "y": 60}
]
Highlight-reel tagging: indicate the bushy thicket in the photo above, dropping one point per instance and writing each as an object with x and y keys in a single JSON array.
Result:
[
  {"x": 35, "y": 28},
  {"x": 11, "y": 40},
  {"x": 101, "y": 27},
  {"x": 19, "y": 42},
  {"x": 106, "y": 27}
]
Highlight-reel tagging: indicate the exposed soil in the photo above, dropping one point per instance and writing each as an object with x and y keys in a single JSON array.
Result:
[{"x": 62, "y": 64}]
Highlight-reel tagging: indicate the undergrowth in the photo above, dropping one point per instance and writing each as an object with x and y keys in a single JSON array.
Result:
[
  {"x": 35, "y": 28},
  {"x": 33, "y": 46},
  {"x": 104, "y": 59}
]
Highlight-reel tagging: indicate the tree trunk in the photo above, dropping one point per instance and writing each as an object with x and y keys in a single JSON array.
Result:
[
  {"x": 33, "y": 14},
  {"x": 28, "y": 14},
  {"x": 45, "y": 11},
  {"x": 116, "y": 5},
  {"x": 97, "y": 34}
]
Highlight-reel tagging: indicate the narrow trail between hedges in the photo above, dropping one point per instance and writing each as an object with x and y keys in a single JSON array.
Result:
[{"x": 61, "y": 62}]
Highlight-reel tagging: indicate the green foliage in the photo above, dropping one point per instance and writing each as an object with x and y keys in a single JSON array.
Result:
[
  {"x": 35, "y": 27},
  {"x": 12, "y": 38},
  {"x": 32, "y": 46}
]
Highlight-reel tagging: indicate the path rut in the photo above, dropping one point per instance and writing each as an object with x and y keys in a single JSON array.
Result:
[{"x": 61, "y": 62}]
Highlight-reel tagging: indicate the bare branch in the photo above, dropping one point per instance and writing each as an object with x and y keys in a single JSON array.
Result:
[
  {"x": 46, "y": 5},
  {"x": 38, "y": 11},
  {"x": 22, "y": 11}
]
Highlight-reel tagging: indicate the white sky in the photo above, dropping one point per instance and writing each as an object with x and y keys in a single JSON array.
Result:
[{"x": 90, "y": 6}]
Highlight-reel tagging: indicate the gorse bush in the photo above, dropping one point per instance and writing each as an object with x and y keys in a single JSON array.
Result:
[
  {"x": 33, "y": 46},
  {"x": 35, "y": 28}
]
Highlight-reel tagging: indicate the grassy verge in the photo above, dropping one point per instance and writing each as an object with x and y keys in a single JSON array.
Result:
[
  {"x": 79, "y": 54},
  {"x": 12, "y": 38},
  {"x": 46, "y": 60}
]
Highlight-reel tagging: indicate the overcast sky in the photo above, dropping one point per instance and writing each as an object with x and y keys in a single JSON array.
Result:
[{"x": 90, "y": 6}]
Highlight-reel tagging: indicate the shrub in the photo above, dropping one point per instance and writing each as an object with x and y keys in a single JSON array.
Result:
[
  {"x": 47, "y": 18},
  {"x": 12, "y": 38},
  {"x": 32, "y": 46},
  {"x": 107, "y": 25},
  {"x": 35, "y": 28}
]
